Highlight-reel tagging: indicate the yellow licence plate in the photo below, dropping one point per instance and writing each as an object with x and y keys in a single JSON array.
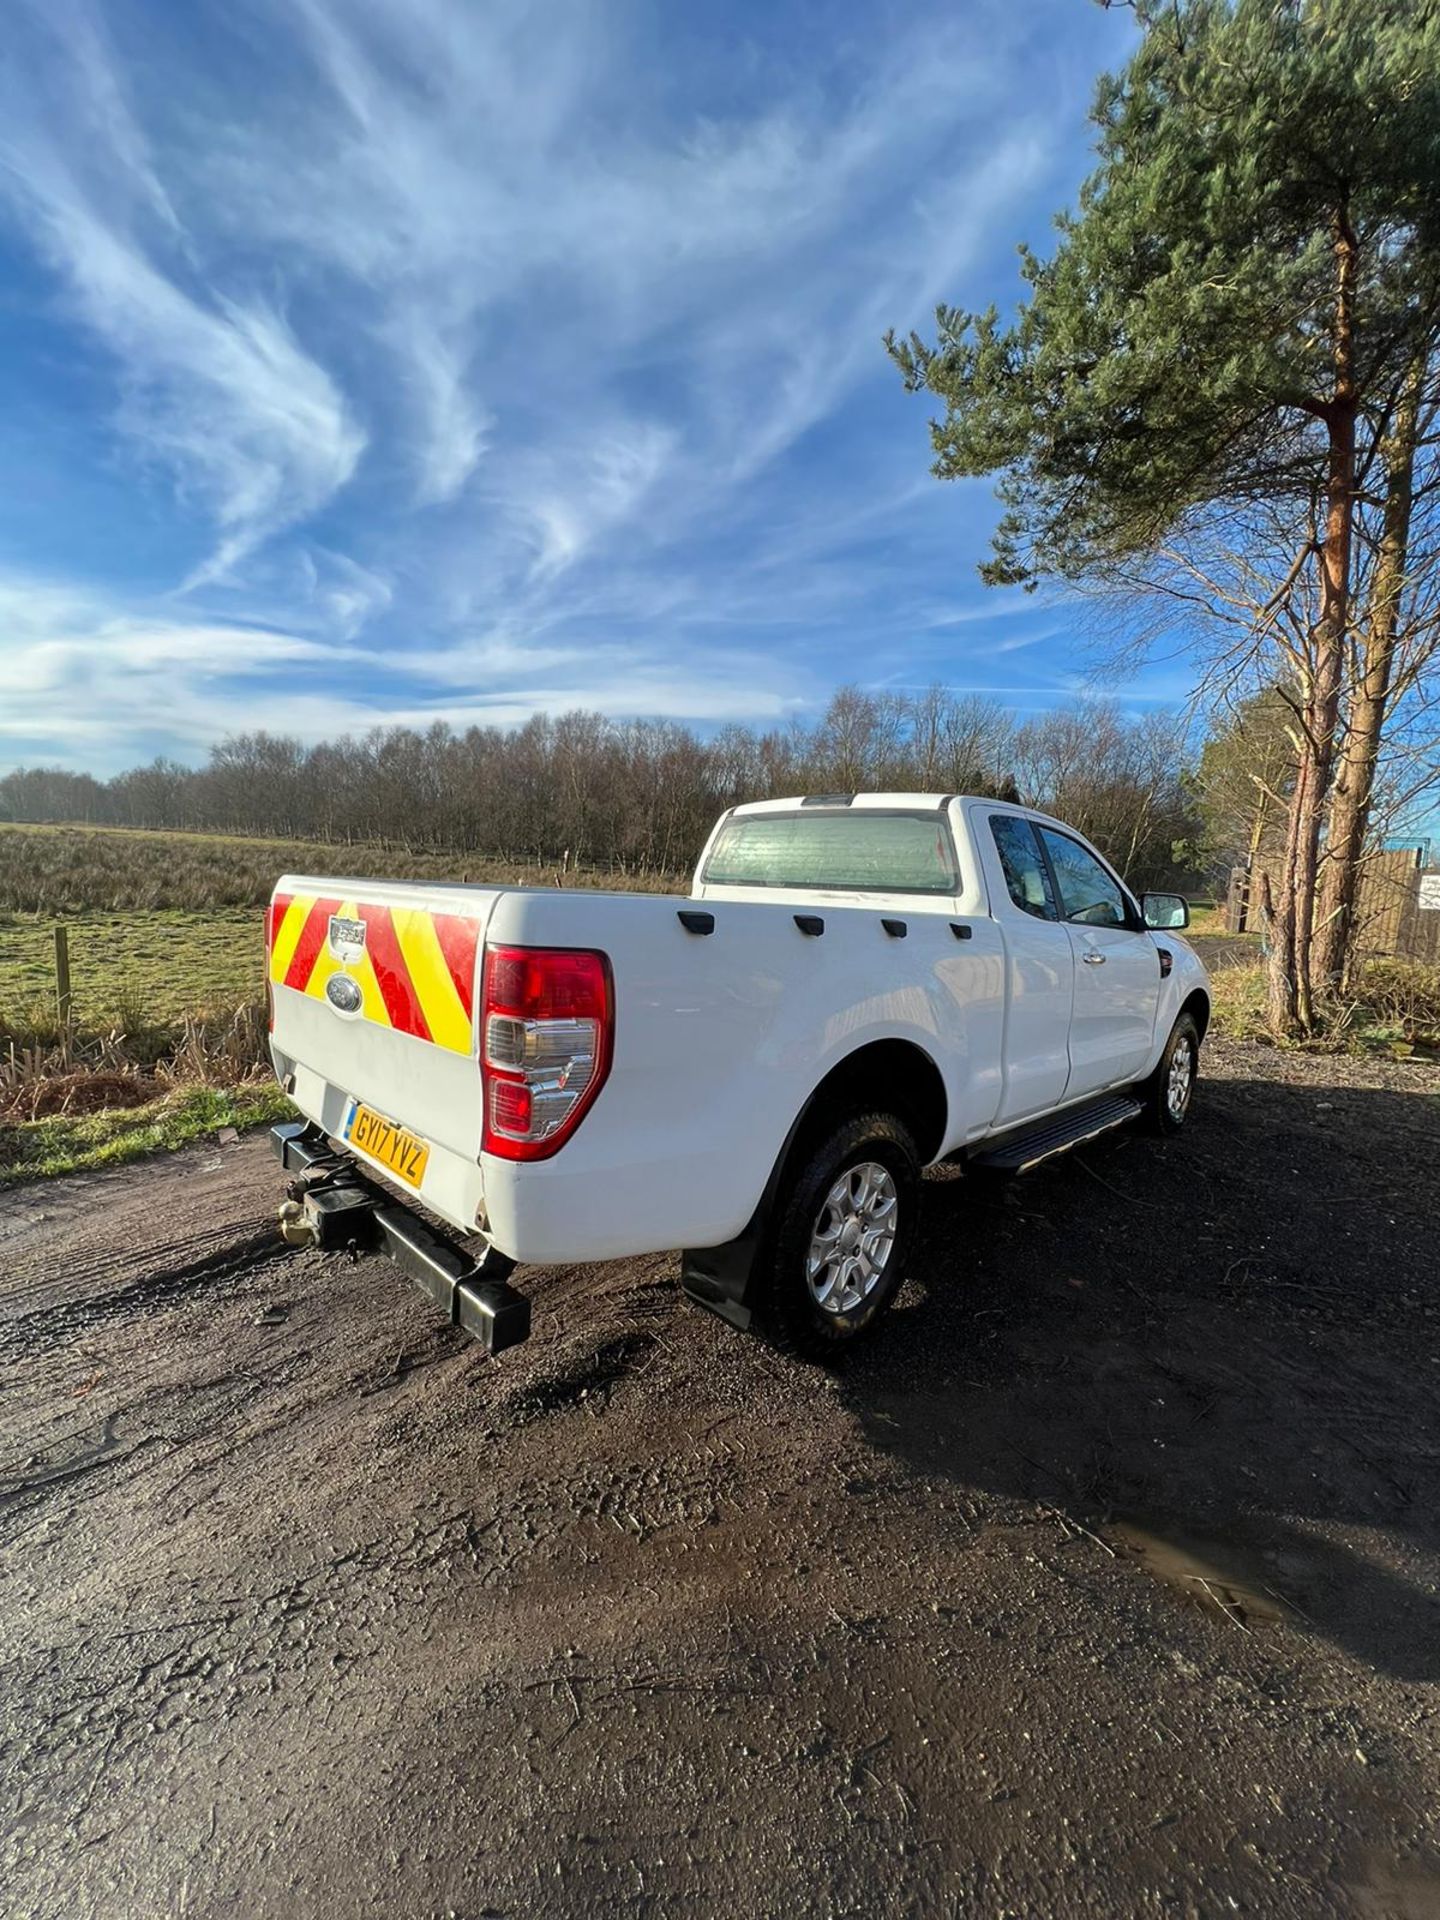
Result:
[{"x": 401, "y": 1152}]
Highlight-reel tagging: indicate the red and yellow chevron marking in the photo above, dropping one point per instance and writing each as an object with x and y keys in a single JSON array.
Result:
[{"x": 417, "y": 973}]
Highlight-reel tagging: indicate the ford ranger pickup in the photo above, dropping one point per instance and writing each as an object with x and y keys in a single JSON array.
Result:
[{"x": 856, "y": 987}]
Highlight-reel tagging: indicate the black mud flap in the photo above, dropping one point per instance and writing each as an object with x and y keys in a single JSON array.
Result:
[
  {"x": 721, "y": 1279},
  {"x": 724, "y": 1279},
  {"x": 339, "y": 1207}
]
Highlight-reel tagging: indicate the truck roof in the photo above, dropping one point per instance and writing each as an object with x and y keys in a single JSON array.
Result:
[{"x": 911, "y": 802}]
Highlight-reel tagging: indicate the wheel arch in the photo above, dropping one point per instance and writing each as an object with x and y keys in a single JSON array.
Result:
[
  {"x": 1197, "y": 1005},
  {"x": 892, "y": 1076}
]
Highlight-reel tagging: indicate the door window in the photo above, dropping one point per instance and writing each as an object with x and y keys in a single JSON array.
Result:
[
  {"x": 1089, "y": 895},
  {"x": 1024, "y": 868}
]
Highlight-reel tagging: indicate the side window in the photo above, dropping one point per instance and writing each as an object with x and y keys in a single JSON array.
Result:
[
  {"x": 1087, "y": 892},
  {"x": 1024, "y": 869}
]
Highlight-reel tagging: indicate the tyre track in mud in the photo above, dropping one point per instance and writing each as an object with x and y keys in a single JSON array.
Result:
[
  {"x": 167, "y": 1272},
  {"x": 313, "y": 1609}
]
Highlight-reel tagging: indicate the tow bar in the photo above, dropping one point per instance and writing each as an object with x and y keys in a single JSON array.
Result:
[{"x": 334, "y": 1207}]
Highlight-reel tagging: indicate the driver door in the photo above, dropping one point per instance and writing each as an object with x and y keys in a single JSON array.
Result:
[{"x": 1117, "y": 970}]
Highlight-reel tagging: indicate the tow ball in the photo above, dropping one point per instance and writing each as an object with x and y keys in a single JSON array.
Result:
[{"x": 297, "y": 1229}]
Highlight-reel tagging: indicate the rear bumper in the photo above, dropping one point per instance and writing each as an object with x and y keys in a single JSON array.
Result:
[{"x": 339, "y": 1206}]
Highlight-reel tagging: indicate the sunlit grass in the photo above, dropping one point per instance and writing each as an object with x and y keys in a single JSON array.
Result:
[
  {"x": 165, "y": 964},
  {"x": 1393, "y": 1006},
  {"x": 1237, "y": 1001},
  {"x": 1207, "y": 917},
  {"x": 70, "y": 1143}
]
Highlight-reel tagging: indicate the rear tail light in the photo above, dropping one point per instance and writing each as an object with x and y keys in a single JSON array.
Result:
[{"x": 547, "y": 1026}]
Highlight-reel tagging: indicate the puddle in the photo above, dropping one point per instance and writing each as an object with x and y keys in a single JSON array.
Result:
[{"x": 1213, "y": 1576}]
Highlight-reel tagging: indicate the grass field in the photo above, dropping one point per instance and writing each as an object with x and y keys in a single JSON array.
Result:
[
  {"x": 161, "y": 965},
  {"x": 82, "y": 870}
]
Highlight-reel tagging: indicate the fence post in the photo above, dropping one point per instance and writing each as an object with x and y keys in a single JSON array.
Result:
[
  {"x": 62, "y": 980},
  {"x": 1236, "y": 901}
]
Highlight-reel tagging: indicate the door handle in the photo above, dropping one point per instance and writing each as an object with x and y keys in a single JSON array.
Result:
[{"x": 1093, "y": 959}]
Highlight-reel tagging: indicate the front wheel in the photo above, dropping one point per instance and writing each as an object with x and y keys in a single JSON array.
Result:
[
  {"x": 843, "y": 1232},
  {"x": 1169, "y": 1091}
]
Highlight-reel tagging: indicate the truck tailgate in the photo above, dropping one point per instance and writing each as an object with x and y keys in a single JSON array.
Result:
[{"x": 374, "y": 988}]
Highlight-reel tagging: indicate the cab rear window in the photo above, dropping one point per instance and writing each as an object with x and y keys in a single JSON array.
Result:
[{"x": 876, "y": 852}]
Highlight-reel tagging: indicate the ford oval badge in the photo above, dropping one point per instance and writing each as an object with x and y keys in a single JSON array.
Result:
[{"x": 343, "y": 993}]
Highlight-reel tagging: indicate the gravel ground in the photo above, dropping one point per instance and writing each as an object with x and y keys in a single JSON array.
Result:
[{"x": 1108, "y": 1585}]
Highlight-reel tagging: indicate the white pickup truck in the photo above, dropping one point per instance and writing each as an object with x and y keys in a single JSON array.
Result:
[{"x": 856, "y": 987}]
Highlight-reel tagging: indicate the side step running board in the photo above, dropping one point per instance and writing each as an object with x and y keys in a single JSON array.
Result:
[
  {"x": 334, "y": 1205},
  {"x": 1027, "y": 1149}
]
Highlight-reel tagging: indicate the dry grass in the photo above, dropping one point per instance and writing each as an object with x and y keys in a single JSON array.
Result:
[
  {"x": 1237, "y": 1001},
  {"x": 1394, "y": 1004},
  {"x": 91, "y": 1098},
  {"x": 1399, "y": 1000},
  {"x": 66, "y": 871},
  {"x": 122, "y": 1065}
]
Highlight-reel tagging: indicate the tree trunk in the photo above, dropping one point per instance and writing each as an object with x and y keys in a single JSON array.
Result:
[
  {"x": 1257, "y": 826},
  {"x": 1282, "y": 1001},
  {"x": 1355, "y": 782},
  {"x": 1291, "y": 997}
]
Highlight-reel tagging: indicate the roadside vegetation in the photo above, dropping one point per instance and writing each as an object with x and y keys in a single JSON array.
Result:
[
  {"x": 73, "y": 1142},
  {"x": 129, "y": 1075},
  {"x": 1394, "y": 1007}
]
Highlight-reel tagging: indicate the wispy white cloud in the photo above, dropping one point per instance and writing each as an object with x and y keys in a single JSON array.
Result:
[
  {"x": 454, "y": 428},
  {"x": 214, "y": 387},
  {"x": 349, "y": 596},
  {"x": 565, "y": 500},
  {"x": 86, "y": 680}
]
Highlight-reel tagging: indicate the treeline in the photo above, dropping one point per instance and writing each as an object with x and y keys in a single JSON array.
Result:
[{"x": 641, "y": 795}]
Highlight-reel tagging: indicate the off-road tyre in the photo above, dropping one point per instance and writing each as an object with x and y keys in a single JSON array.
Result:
[
  {"x": 788, "y": 1313},
  {"x": 1165, "y": 1111}
]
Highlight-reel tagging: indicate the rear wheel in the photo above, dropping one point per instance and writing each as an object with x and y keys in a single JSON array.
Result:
[
  {"x": 1169, "y": 1091},
  {"x": 843, "y": 1230}
]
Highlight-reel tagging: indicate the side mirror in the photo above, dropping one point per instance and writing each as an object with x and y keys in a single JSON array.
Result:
[{"x": 1165, "y": 912}]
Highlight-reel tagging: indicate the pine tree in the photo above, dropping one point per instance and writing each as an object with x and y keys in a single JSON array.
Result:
[{"x": 1194, "y": 393}]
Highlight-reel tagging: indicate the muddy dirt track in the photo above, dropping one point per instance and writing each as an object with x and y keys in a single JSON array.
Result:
[{"x": 1109, "y": 1586}]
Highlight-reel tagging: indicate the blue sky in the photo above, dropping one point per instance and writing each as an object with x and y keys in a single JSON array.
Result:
[{"x": 371, "y": 361}]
